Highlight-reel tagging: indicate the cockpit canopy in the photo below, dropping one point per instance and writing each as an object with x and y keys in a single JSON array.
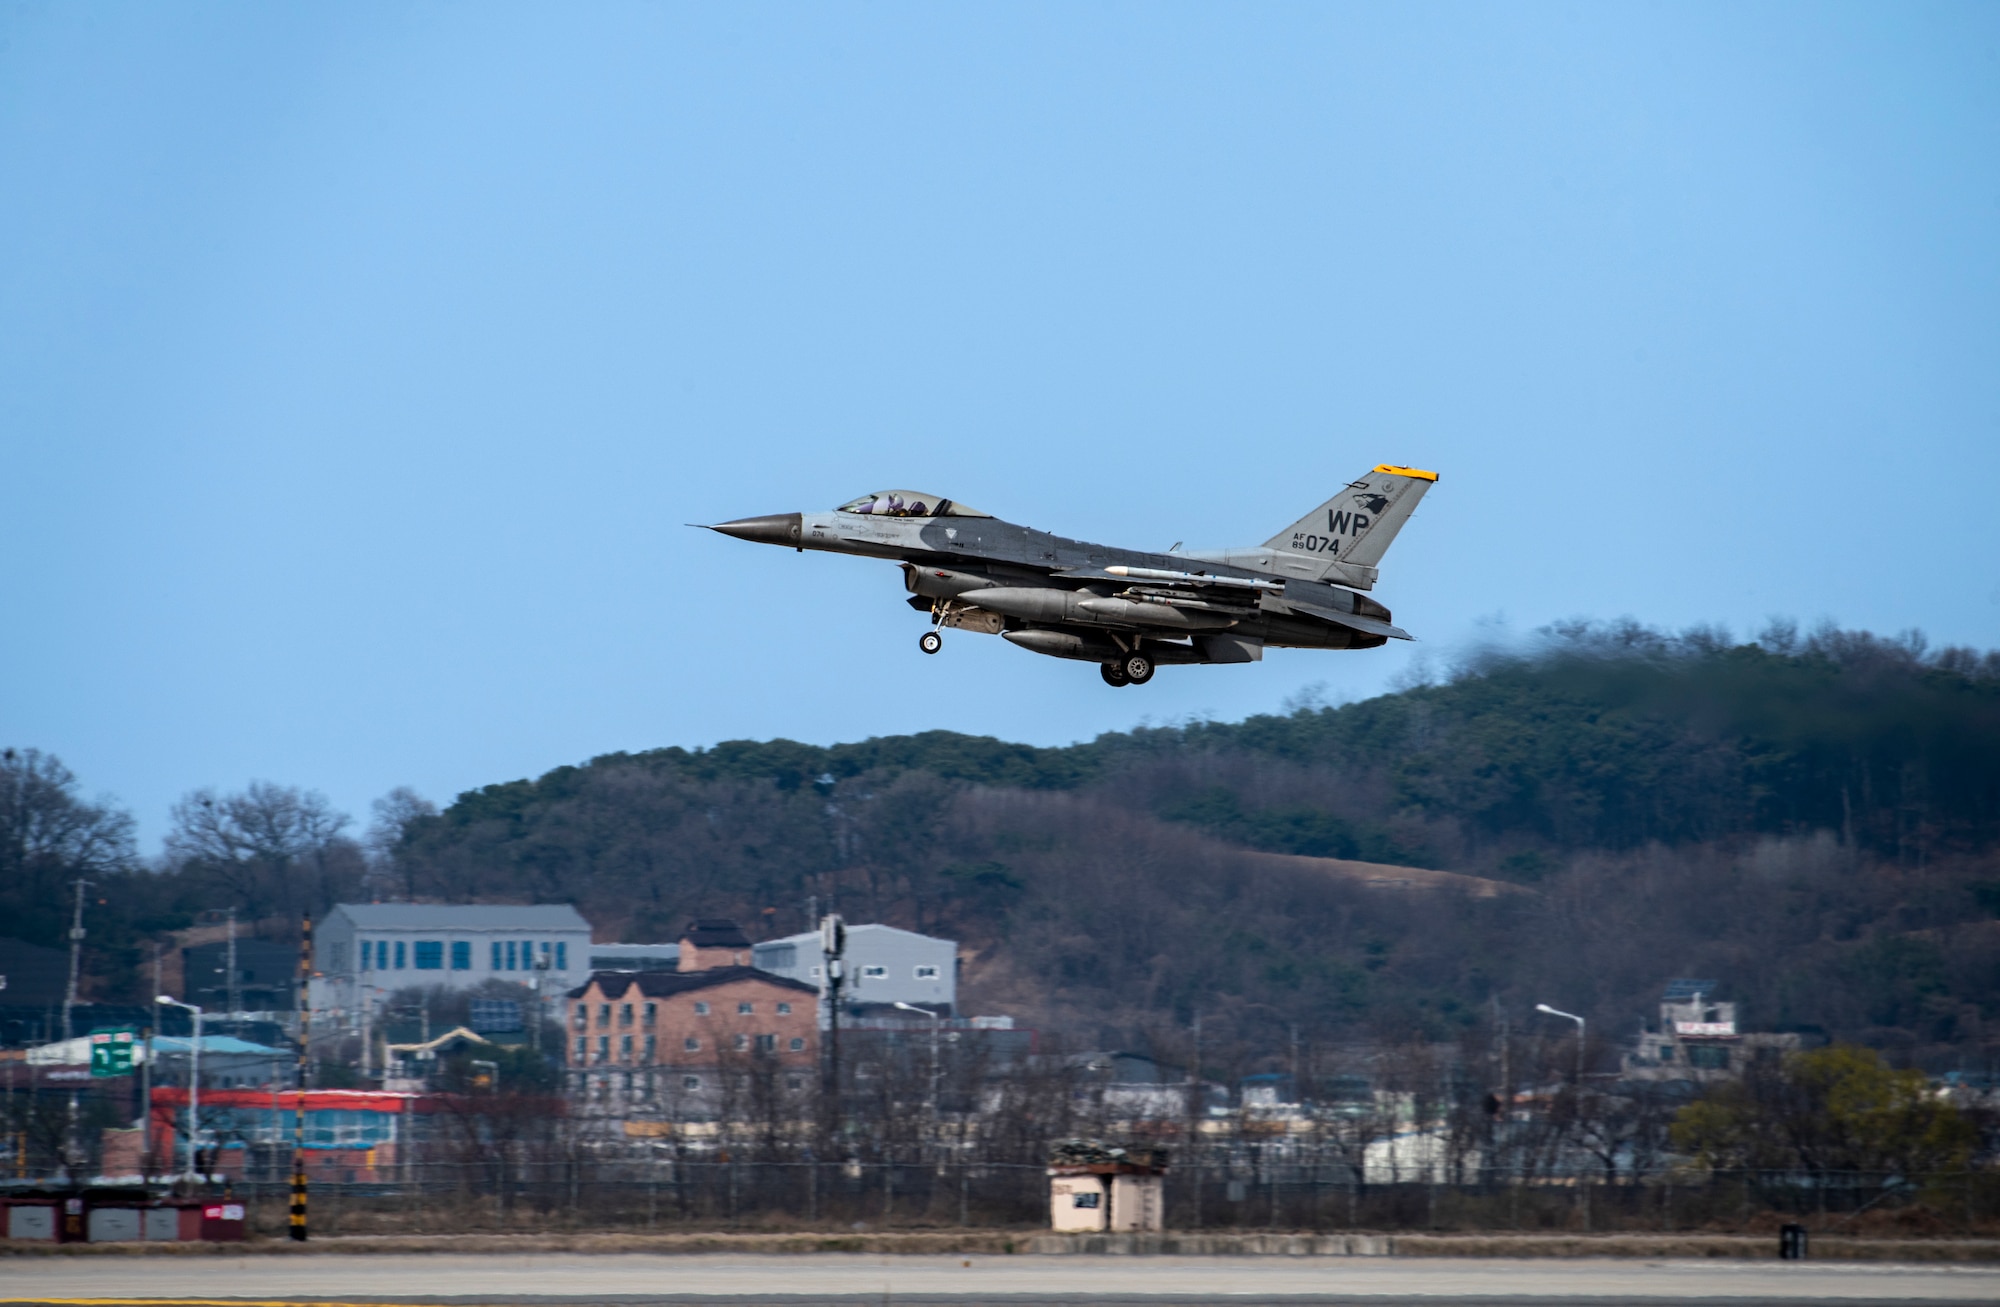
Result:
[{"x": 908, "y": 503}]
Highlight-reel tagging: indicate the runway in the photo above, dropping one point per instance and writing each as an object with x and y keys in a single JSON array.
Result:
[{"x": 853, "y": 1279}]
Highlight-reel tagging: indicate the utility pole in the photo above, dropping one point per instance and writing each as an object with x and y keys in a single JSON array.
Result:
[
  {"x": 233, "y": 990},
  {"x": 146, "y": 1085},
  {"x": 537, "y": 984},
  {"x": 70, "y": 1151},
  {"x": 832, "y": 944},
  {"x": 75, "y": 961},
  {"x": 1194, "y": 1107}
]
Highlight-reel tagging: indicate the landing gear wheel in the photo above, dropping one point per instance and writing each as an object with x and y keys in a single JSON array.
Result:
[
  {"x": 930, "y": 642},
  {"x": 1113, "y": 674},
  {"x": 1138, "y": 668}
]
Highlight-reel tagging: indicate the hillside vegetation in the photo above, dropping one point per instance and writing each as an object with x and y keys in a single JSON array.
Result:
[
  {"x": 1814, "y": 821},
  {"x": 1811, "y": 820}
]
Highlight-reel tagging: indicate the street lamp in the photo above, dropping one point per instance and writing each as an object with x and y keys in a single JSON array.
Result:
[
  {"x": 1571, "y": 1016},
  {"x": 936, "y": 1023},
  {"x": 194, "y": 1079}
]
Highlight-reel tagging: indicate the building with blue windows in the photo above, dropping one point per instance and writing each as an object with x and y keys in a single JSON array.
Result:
[{"x": 377, "y": 948}]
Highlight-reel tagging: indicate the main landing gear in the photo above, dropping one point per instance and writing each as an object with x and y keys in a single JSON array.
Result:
[{"x": 1132, "y": 669}]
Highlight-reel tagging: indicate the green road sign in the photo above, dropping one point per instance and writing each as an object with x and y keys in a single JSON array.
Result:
[{"x": 111, "y": 1053}]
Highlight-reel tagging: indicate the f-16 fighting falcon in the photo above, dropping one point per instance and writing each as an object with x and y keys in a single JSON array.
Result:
[{"x": 1125, "y": 610}]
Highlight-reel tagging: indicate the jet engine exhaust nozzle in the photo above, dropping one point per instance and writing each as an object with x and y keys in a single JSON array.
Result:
[{"x": 771, "y": 529}]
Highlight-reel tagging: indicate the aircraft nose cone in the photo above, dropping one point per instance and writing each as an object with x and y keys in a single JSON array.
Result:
[{"x": 771, "y": 529}]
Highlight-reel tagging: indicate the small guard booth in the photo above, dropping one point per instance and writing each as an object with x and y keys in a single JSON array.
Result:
[{"x": 1097, "y": 1188}]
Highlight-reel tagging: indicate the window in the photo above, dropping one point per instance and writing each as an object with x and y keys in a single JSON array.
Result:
[
  {"x": 874, "y": 973},
  {"x": 511, "y": 946},
  {"x": 1085, "y": 1200},
  {"x": 624, "y": 1014},
  {"x": 367, "y": 954},
  {"x": 581, "y": 1016},
  {"x": 582, "y": 1047},
  {"x": 430, "y": 955},
  {"x": 779, "y": 957},
  {"x": 625, "y": 1047},
  {"x": 1708, "y": 1057},
  {"x": 745, "y": 1009},
  {"x": 691, "y": 1044},
  {"x": 690, "y": 1082},
  {"x": 926, "y": 973},
  {"x": 816, "y": 972},
  {"x": 399, "y": 955},
  {"x": 496, "y": 955},
  {"x": 784, "y": 1009},
  {"x": 604, "y": 1048},
  {"x": 562, "y": 956},
  {"x": 742, "y": 1042},
  {"x": 795, "y": 1083},
  {"x": 649, "y": 1048},
  {"x": 767, "y": 1043},
  {"x": 652, "y": 1012},
  {"x": 798, "y": 1044},
  {"x": 603, "y": 1014},
  {"x": 461, "y": 955},
  {"x": 701, "y": 1009},
  {"x": 1666, "y": 1053}
]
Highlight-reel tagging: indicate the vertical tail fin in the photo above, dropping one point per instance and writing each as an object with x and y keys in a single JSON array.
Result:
[{"x": 1357, "y": 525}]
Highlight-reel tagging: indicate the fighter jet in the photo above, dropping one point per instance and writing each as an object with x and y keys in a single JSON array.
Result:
[{"x": 1127, "y": 610}]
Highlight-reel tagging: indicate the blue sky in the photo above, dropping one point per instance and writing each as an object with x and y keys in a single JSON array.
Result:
[{"x": 360, "y": 364}]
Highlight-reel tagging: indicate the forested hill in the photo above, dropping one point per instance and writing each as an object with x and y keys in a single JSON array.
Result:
[
  {"x": 1603, "y": 738},
  {"x": 1813, "y": 820}
]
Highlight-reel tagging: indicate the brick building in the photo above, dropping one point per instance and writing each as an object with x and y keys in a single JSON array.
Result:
[{"x": 683, "y": 1045}]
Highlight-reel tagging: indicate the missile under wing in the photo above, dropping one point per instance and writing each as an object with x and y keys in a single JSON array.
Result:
[{"x": 1129, "y": 611}]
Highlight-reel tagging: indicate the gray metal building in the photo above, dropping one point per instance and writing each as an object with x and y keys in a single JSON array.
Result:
[{"x": 884, "y": 966}]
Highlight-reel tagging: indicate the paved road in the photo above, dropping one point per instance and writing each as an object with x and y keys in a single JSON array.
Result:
[{"x": 909, "y": 1280}]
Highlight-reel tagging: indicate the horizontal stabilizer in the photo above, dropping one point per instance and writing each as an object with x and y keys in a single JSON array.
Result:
[{"x": 1352, "y": 621}]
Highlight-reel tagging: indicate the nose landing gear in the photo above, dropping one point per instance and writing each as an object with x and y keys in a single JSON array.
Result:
[{"x": 930, "y": 642}]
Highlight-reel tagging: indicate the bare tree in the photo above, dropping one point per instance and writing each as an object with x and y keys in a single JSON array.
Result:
[
  {"x": 49, "y": 835},
  {"x": 44, "y": 822},
  {"x": 395, "y": 812},
  {"x": 255, "y": 846}
]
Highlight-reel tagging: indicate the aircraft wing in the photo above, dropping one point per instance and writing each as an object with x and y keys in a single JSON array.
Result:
[{"x": 1268, "y": 600}]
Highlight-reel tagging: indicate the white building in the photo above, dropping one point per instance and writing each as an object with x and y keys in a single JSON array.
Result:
[
  {"x": 883, "y": 966},
  {"x": 365, "y": 951}
]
